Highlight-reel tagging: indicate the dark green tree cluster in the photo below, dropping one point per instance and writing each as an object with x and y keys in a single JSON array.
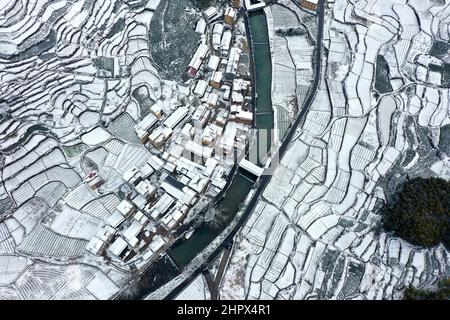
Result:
[
  {"x": 203, "y": 4},
  {"x": 421, "y": 214},
  {"x": 442, "y": 293}
]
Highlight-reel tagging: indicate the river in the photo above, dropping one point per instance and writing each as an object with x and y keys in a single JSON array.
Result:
[
  {"x": 185, "y": 250},
  {"x": 263, "y": 77}
]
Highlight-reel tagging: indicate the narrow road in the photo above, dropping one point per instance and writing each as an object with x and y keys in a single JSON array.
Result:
[{"x": 279, "y": 152}]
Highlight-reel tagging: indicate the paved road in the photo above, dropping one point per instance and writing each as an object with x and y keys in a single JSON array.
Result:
[{"x": 264, "y": 180}]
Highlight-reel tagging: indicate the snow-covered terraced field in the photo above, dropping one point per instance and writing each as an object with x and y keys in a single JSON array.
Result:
[
  {"x": 312, "y": 234},
  {"x": 67, "y": 72}
]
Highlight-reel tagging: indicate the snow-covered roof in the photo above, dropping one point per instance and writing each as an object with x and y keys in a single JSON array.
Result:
[
  {"x": 115, "y": 219},
  {"x": 105, "y": 233},
  {"x": 94, "y": 245},
  {"x": 147, "y": 122},
  {"x": 125, "y": 207},
  {"x": 213, "y": 62},
  {"x": 226, "y": 40},
  {"x": 145, "y": 188},
  {"x": 210, "y": 12},
  {"x": 176, "y": 117},
  {"x": 117, "y": 247},
  {"x": 162, "y": 205},
  {"x": 217, "y": 76},
  {"x": 155, "y": 162},
  {"x": 200, "y": 88},
  {"x": 157, "y": 243},
  {"x": 201, "y": 26},
  {"x": 213, "y": 99},
  {"x": 184, "y": 195},
  {"x": 132, "y": 231}
]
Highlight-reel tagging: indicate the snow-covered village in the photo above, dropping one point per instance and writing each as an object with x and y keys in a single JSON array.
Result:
[{"x": 224, "y": 150}]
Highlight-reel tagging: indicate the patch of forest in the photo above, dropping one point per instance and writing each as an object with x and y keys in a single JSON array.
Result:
[
  {"x": 442, "y": 292},
  {"x": 420, "y": 214}
]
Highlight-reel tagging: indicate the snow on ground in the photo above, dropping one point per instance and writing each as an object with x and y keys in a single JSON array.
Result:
[
  {"x": 95, "y": 137},
  {"x": 102, "y": 287},
  {"x": 196, "y": 290},
  {"x": 70, "y": 92}
]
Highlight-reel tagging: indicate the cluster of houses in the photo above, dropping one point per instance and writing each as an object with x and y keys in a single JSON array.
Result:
[
  {"x": 157, "y": 197},
  {"x": 194, "y": 147},
  {"x": 217, "y": 118},
  {"x": 129, "y": 230}
]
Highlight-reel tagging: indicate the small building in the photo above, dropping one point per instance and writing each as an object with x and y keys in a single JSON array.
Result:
[
  {"x": 115, "y": 219},
  {"x": 210, "y": 134},
  {"x": 118, "y": 247},
  {"x": 233, "y": 62},
  {"x": 211, "y": 13},
  {"x": 225, "y": 43},
  {"x": 130, "y": 234},
  {"x": 237, "y": 98},
  {"x": 197, "y": 60},
  {"x": 217, "y": 35},
  {"x": 201, "y": 116},
  {"x": 157, "y": 244},
  {"x": 147, "y": 171},
  {"x": 226, "y": 92},
  {"x": 157, "y": 109},
  {"x": 176, "y": 117},
  {"x": 139, "y": 201},
  {"x": 187, "y": 131},
  {"x": 213, "y": 99},
  {"x": 155, "y": 162},
  {"x": 143, "y": 127},
  {"x": 161, "y": 206},
  {"x": 309, "y": 4},
  {"x": 226, "y": 146},
  {"x": 230, "y": 15},
  {"x": 179, "y": 191},
  {"x": 200, "y": 88},
  {"x": 169, "y": 167},
  {"x": 213, "y": 62},
  {"x": 222, "y": 117},
  {"x": 245, "y": 117},
  {"x": 198, "y": 184},
  {"x": 96, "y": 182},
  {"x": 142, "y": 218},
  {"x": 125, "y": 208},
  {"x": 95, "y": 246},
  {"x": 159, "y": 136},
  {"x": 172, "y": 219},
  {"x": 200, "y": 28},
  {"x": 216, "y": 79},
  {"x": 210, "y": 166},
  {"x": 106, "y": 233},
  {"x": 201, "y": 152},
  {"x": 131, "y": 175},
  {"x": 241, "y": 85}
]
